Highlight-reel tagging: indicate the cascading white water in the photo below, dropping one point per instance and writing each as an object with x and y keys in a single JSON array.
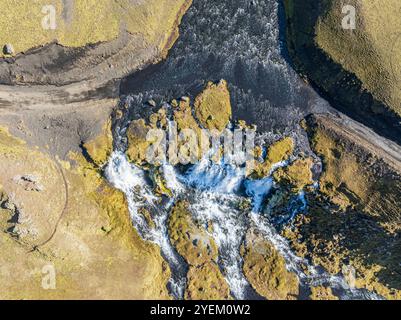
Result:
[
  {"x": 240, "y": 55},
  {"x": 229, "y": 228},
  {"x": 132, "y": 181},
  {"x": 216, "y": 188},
  {"x": 314, "y": 276}
]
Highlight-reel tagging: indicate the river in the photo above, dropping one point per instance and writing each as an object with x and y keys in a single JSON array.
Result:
[{"x": 240, "y": 41}]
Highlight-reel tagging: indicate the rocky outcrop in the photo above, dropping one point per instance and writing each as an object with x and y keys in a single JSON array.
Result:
[
  {"x": 352, "y": 225},
  {"x": 322, "y": 293},
  {"x": 211, "y": 110},
  {"x": 276, "y": 153},
  {"x": 100, "y": 148},
  {"x": 297, "y": 175},
  {"x": 213, "y": 106},
  {"x": 266, "y": 269},
  {"x": 205, "y": 281}
]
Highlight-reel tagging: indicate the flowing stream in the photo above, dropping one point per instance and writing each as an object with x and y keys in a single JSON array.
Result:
[
  {"x": 240, "y": 41},
  {"x": 216, "y": 190}
]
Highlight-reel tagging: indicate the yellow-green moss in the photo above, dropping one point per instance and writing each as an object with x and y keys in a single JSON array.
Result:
[
  {"x": 266, "y": 270},
  {"x": 160, "y": 184},
  {"x": 8, "y": 141},
  {"x": 342, "y": 172},
  {"x": 213, "y": 106},
  {"x": 277, "y": 152},
  {"x": 137, "y": 142},
  {"x": 148, "y": 217},
  {"x": 322, "y": 293},
  {"x": 281, "y": 150},
  {"x": 92, "y": 21},
  {"x": 336, "y": 240},
  {"x": 89, "y": 263},
  {"x": 101, "y": 147},
  {"x": 365, "y": 52},
  {"x": 206, "y": 283},
  {"x": 185, "y": 121},
  {"x": 351, "y": 182},
  {"x": 212, "y": 103},
  {"x": 297, "y": 175},
  {"x": 191, "y": 241},
  {"x": 354, "y": 221}
]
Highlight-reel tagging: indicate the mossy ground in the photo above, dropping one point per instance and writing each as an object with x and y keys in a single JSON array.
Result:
[
  {"x": 206, "y": 283},
  {"x": 353, "y": 179},
  {"x": 277, "y": 152},
  {"x": 372, "y": 51},
  {"x": 357, "y": 70},
  {"x": 297, "y": 175},
  {"x": 266, "y": 270},
  {"x": 92, "y": 21},
  {"x": 354, "y": 221},
  {"x": 211, "y": 110},
  {"x": 322, "y": 293},
  {"x": 100, "y": 148},
  {"x": 213, "y": 106},
  {"x": 192, "y": 242},
  {"x": 83, "y": 229}
]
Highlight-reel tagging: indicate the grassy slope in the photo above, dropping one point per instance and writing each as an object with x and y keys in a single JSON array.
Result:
[
  {"x": 96, "y": 252},
  {"x": 358, "y": 70},
  {"x": 370, "y": 51},
  {"x": 356, "y": 220},
  {"x": 93, "y": 21}
]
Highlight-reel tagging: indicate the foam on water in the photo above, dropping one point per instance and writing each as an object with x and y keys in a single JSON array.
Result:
[
  {"x": 132, "y": 181},
  {"x": 171, "y": 178},
  {"x": 277, "y": 100},
  {"x": 314, "y": 276},
  {"x": 229, "y": 229},
  {"x": 257, "y": 190},
  {"x": 216, "y": 188},
  {"x": 219, "y": 177}
]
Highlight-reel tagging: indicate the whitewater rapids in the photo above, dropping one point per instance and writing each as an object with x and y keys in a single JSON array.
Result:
[{"x": 217, "y": 187}]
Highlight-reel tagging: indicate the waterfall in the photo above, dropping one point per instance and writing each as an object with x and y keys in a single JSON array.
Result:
[{"x": 217, "y": 188}]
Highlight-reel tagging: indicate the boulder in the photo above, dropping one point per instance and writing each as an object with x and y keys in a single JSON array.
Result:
[{"x": 8, "y": 49}]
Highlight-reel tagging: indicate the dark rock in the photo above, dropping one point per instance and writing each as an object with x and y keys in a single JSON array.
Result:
[{"x": 8, "y": 49}]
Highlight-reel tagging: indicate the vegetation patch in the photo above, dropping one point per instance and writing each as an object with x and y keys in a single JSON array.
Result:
[
  {"x": 359, "y": 69},
  {"x": 354, "y": 222},
  {"x": 137, "y": 142},
  {"x": 266, "y": 270},
  {"x": 206, "y": 283},
  {"x": 322, "y": 293},
  {"x": 82, "y": 228},
  {"x": 82, "y": 22},
  {"x": 193, "y": 243},
  {"x": 277, "y": 152},
  {"x": 100, "y": 148},
  {"x": 213, "y": 106},
  {"x": 298, "y": 174}
]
